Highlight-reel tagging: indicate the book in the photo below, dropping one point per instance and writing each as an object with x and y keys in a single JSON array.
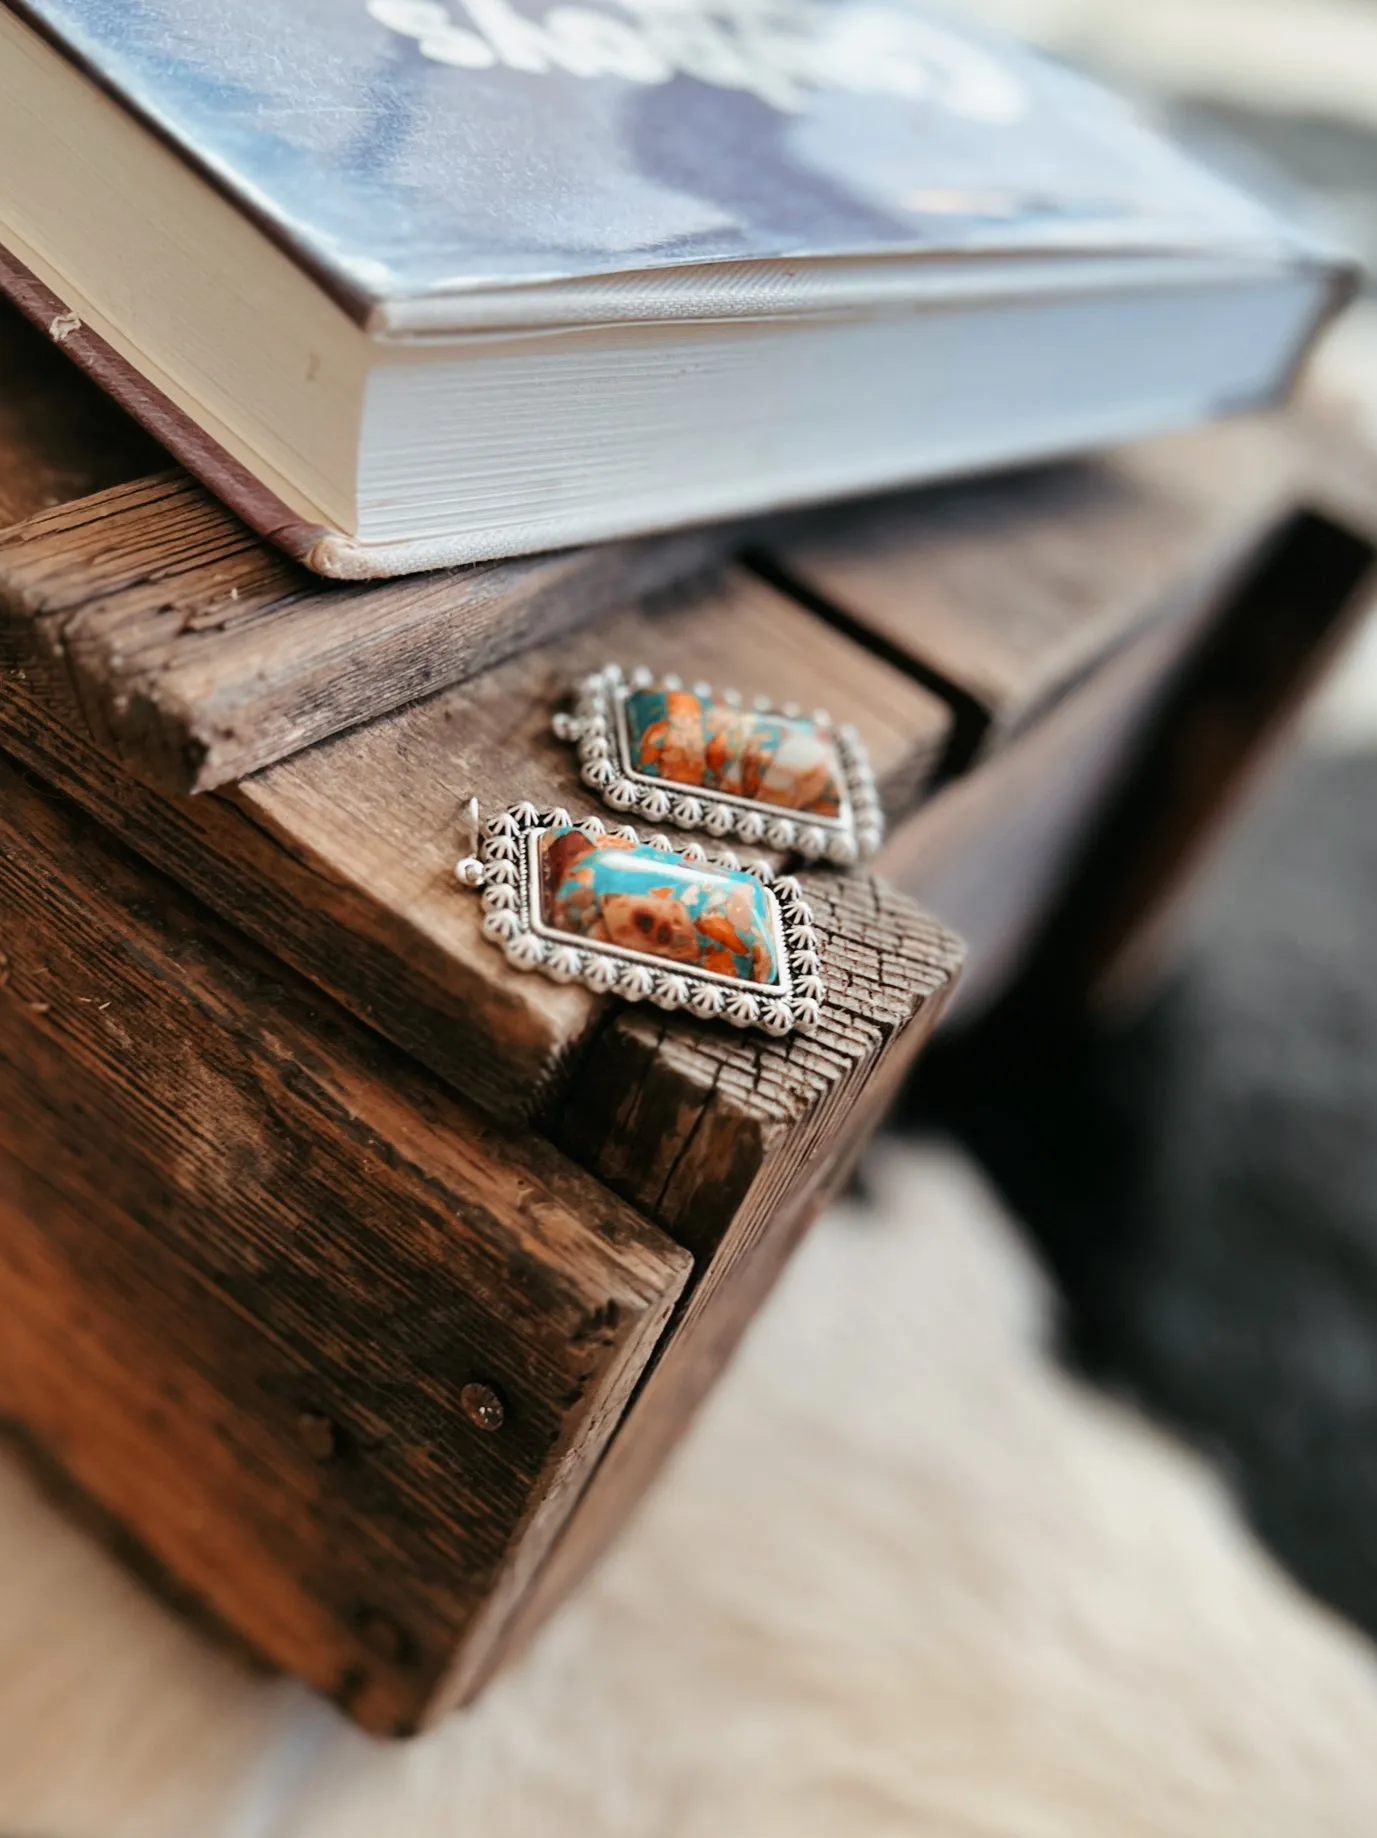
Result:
[{"x": 413, "y": 283}]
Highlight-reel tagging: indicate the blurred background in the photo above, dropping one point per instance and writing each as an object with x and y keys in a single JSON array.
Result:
[
  {"x": 1045, "y": 1488},
  {"x": 1201, "y": 1177}
]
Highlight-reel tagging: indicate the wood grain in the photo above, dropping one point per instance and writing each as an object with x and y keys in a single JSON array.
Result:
[
  {"x": 342, "y": 856},
  {"x": 993, "y": 850},
  {"x": 1228, "y": 708},
  {"x": 1010, "y": 590},
  {"x": 689, "y": 1135},
  {"x": 253, "y": 1258},
  {"x": 198, "y": 654},
  {"x": 341, "y": 859},
  {"x": 733, "y": 1144},
  {"x": 1090, "y": 820}
]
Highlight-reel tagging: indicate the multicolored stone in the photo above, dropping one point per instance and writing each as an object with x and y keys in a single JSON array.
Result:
[
  {"x": 790, "y": 762},
  {"x": 642, "y": 900}
]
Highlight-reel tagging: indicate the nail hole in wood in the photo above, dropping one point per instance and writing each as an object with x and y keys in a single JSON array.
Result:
[{"x": 482, "y": 1406}]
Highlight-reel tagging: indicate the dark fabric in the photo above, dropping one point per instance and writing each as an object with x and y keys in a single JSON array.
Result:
[{"x": 1203, "y": 1183}]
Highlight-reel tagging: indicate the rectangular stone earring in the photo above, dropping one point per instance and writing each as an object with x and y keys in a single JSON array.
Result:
[
  {"x": 646, "y": 919},
  {"x": 765, "y": 773}
]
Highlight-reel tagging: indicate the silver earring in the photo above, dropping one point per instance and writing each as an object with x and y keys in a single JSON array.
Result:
[
  {"x": 646, "y": 919},
  {"x": 765, "y": 773}
]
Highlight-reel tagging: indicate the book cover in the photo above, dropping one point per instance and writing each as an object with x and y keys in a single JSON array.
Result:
[{"x": 418, "y": 151}]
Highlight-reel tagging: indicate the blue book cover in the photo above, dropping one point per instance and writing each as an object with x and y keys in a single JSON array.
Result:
[{"x": 413, "y": 150}]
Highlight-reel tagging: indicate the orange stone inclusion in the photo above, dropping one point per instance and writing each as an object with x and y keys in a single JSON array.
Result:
[
  {"x": 627, "y": 894},
  {"x": 787, "y": 761}
]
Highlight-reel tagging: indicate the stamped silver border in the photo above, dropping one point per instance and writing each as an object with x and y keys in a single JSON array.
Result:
[
  {"x": 597, "y": 726},
  {"x": 506, "y": 871}
]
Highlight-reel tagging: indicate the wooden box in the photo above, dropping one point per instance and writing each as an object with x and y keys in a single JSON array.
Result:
[{"x": 360, "y": 1284}]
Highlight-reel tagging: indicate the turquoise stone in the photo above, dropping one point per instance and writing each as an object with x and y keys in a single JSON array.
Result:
[
  {"x": 788, "y": 761},
  {"x": 642, "y": 900}
]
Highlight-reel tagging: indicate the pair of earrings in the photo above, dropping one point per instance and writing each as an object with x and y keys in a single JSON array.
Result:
[{"x": 581, "y": 900}]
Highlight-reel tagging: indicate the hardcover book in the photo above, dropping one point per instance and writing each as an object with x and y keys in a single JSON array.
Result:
[{"x": 419, "y": 282}]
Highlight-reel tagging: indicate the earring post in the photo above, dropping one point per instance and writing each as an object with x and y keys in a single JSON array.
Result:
[{"x": 470, "y": 869}]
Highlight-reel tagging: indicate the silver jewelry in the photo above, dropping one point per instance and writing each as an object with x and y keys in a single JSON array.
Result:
[
  {"x": 615, "y": 742},
  {"x": 646, "y": 919}
]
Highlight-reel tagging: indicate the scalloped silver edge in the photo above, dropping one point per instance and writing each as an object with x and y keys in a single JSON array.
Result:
[
  {"x": 503, "y": 874},
  {"x": 597, "y": 727}
]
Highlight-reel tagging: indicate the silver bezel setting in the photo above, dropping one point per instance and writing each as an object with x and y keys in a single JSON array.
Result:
[
  {"x": 597, "y": 727},
  {"x": 505, "y": 872}
]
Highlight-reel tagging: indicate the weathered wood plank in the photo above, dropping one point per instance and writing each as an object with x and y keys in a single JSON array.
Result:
[
  {"x": 748, "y": 1132},
  {"x": 1012, "y": 589},
  {"x": 1226, "y": 712},
  {"x": 1148, "y": 753},
  {"x": 755, "y": 1132},
  {"x": 341, "y": 858},
  {"x": 426, "y": 979},
  {"x": 687, "y": 1138},
  {"x": 198, "y": 654},
  {"x": 991, "y": 852},
  {"x": 252, "y": 1259}
]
